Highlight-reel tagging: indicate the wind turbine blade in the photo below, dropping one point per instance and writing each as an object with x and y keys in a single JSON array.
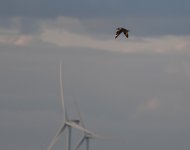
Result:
[
  {"x": 55, "y": 139},
  {"x": 80, "y": 143},
  {"x": 79, "y": 114},
  {"x": 62, "y": 97}
]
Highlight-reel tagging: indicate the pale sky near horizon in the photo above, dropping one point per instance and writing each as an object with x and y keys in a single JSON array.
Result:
[{"x": 135, "y": 90}]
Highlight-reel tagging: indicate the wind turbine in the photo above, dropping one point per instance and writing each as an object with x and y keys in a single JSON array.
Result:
[
  {"x": 87, "y": 134},
  {"x": 66, "y": 122}
]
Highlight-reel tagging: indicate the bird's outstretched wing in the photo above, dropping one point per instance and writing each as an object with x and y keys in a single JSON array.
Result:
[
  {"x": 126, "y": 34},
  {"x": 118, "y": 32}
]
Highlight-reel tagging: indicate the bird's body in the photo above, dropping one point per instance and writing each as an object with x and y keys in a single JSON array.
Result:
[{"x": 120, "y": 30}]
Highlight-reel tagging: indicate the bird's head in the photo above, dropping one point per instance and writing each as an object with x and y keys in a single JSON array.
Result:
[{"x": 118, "y": 28}]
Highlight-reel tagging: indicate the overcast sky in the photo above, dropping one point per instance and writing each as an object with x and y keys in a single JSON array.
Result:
[{"x": 134, "y": 90}]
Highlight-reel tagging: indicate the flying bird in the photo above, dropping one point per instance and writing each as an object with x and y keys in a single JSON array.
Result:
[{"x": 120, "y": 30}]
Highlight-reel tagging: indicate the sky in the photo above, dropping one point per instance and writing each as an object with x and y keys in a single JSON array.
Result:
[{"x": 134, "y": 90}]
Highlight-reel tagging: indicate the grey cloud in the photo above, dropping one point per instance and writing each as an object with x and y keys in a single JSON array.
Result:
[
  {"x": 84, "y": 8},
  {"x": 144, "y": 18},
  {"x": 6, "y": 23},
  {"x": 103, "y": 28},
  {"x": 30, "y": 26},
  {"x": 139, "y": 26}
]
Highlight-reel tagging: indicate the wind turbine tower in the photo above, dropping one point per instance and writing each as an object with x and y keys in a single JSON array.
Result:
[{"x": 69, "y": 124}]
